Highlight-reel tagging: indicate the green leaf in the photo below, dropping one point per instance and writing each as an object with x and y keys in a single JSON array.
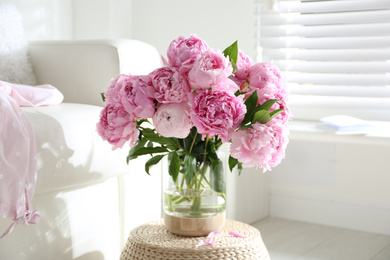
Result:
[
  {"x": 239, "y": 168},
  {"x": 154, "y": 137},
  {"x": 211, "y": 151},
  {"x": 238, "y": 92},
  {"x": 217, "y": 177},
  {"x": 139, "y": 145},
  {"x": 232, "y": 162},
  {"x": 261, "y": 116},
  {"x": 268, "y": 104},
  {"x": 141, "y": 121},
  {"x": 275, "y": 113},
  {"x": 153, "y": 161},
  {"x": 251, "y": 101},
  {"x": 232, "y": 52},
  {"x": 198, "y": 150},
  {"x": 147, "y": 150},
  {"x": 251, "y": 108},
  {"x": 102, "y": 96},
  {"x": 234, "y": 65},
  {"x": 181, "y": 152},
  {"x": 213, "y": 162},
  {"x": 173, "y": 165},
  {"x": 189, "y": 167},
  {"x": 257, "y": 113}
]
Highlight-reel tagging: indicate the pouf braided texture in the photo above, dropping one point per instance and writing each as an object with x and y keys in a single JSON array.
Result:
[{"x": 154, "y": 241}]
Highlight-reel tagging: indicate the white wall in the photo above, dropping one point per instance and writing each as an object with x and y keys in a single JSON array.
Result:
[
  {"x": 333, "y": 183},
  {"x": 75, "y": 19},
  {"x": 45, "y": 19},
  {"x": 103, "y": 19},
  {"x": 219, "y": 22}
]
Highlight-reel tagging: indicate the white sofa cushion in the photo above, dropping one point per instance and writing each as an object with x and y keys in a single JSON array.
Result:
[
  {"x": 87, "y": 66},
  {"x": 69, "y": 151}
]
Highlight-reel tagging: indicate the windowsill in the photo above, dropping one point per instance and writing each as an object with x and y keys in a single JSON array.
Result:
[
  {"x": 315, "y": 107},
  {"x": 308, "y": 131}
]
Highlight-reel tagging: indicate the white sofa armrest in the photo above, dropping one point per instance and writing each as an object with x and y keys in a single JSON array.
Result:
[{"x": 82, "y": 69}]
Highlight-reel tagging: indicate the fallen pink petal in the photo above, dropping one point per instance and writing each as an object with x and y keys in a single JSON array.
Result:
[
  {"x": 202, "y": 243},
  {"x": 213, "y": 234},
  {"x": 236, "y": 234},
  {"x": 211, "y": 242},
  {"x": 208, "y": 242}
]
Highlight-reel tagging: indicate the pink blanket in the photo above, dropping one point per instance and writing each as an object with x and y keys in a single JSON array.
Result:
[{"x": 18, "y": 166}]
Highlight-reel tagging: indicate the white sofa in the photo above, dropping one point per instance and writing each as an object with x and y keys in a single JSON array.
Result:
[{"x": 88, "y": 197}]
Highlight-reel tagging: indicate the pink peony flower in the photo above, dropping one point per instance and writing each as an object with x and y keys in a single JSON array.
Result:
[
  {"x": 117, "y": 126},
  {"x": 263, "y": 145},
  {"x": 217, "y": 113},
  {"x": 282, "y": 138},
  {"x": 226, "y": 85},
  {"x": 116, "y": 84},
  {"x": 241, "y": 75},
  {"x": 243, "y": 64},
  {"x": 173, "y": 120},
  {"x": 283, "y": 117},
  {"x": 170, "y": 85},
  {"x": 265, "y": 78},
  {"x": 182, "y": 52},
  {"x": 209, "y": 69},
  {"x": 137, "y": 96}
]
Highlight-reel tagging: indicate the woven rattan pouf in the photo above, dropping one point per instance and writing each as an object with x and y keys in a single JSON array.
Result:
[{"x": 154, "y": 241}]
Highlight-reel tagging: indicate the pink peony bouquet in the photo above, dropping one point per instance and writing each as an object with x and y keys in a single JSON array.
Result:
[{"x": 201, "y": 98}]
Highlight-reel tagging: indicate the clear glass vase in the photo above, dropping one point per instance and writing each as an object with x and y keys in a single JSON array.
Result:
[{"x": 195, "y": 205}]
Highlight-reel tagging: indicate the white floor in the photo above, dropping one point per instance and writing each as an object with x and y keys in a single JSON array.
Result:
[{"x": 287, "y": 240}]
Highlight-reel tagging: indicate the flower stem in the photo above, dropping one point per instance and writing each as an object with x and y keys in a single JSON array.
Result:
[
  {"x": 180, "y": 200},
  {"x": 182, "y": 183},
  {"x": 145, "y": 129},
  {"x": 204, "y": 166},
  {"x": 193, "y": 142},
  {"x": 197, "y": 202},
  {"x": 205, "y": 148},
  {"x": 217, "y": 145},
  {"x": 169, "y": 202}
]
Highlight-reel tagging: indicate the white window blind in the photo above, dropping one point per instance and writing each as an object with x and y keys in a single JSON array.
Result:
[{"x": 328, "y": 47}]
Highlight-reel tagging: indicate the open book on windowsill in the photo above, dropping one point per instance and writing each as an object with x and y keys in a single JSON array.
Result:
[{"x": 346, "y": 125}]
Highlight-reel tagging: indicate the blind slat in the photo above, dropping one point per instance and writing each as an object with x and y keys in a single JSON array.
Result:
[
  {"x": 337, "y": 79},
  {"x": 340, "y": 90},
  {"x": 327, "y": 42},
  {"x": 334, "y": 66},
  {"x": 330, "y": 6},
  {"x": 327, "y": 55},
  {"x": 327, "y": 30},
  {"x": 325, "y": 19}
]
